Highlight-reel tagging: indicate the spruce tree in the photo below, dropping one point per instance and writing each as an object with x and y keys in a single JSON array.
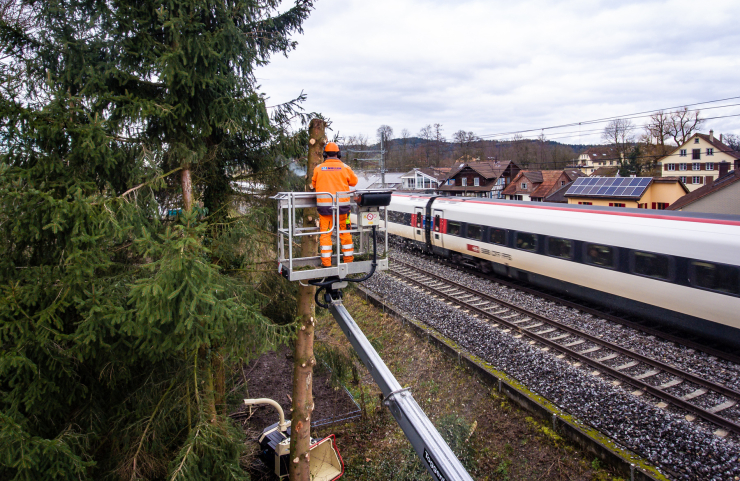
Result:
[{"x": 121, "y": 308}]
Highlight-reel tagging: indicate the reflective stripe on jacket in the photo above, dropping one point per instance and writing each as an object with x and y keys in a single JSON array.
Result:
[{"x": 333, "y": 176}]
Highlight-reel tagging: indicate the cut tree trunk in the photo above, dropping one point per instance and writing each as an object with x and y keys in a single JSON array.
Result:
[{"x": 304, "y": 361}]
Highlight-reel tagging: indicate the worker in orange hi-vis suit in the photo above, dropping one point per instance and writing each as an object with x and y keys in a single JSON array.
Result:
[{"x": 333, "y": 176}]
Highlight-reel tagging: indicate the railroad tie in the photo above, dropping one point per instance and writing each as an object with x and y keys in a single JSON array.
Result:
[
  {"x": 607, "y": 358},
  {"x": 524, "y": 319},
  {"x": 626, "y": 366},
  {"x": 575, "y": 343},
  {"x": 646, "y": 375},
  {"x": 694, "y": 394},
  {"x": 499, "y": 312},
  {"x": 478, "y": 304},
  {"x": 512, "y": 315},
  {"x": 546, "y": 331},
  {"x": 532, "y": 326},
  {"x": 672, "y": 383},
  {"x": 593, "y": 349},
  {"x": 560, "y": 337},
  {"x": 722, "y": 407}
]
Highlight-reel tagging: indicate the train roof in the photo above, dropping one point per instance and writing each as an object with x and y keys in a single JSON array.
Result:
[{"x": 728, "y": 219}]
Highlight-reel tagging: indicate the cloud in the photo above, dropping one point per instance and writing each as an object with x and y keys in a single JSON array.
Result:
[{"x": 500, "y": 66}]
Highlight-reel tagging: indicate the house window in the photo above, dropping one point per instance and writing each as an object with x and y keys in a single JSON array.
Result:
[
  {"x": 683, "y": 166},
  {"x": 710, "y": 165},
  {"x": 586, "y": 203},
  {"x": 682, "y": 153},
  {"x": 660, "y": 205},
  {"x": 696, "y": 154},
  {"x": 562, "y": 183},
  {"x": 696, "y": 140},
  {"x": 476, "y": 181},
  {"x": 696, "y": 166},
  {"x": 516, "y": 197},
  {"x": 524, "y": 185},
  {"x": 696, "y": 180},
  {"x": 451, "y": 182},
  {"x": 464, "y": 181},
  {"x": 710, "y": 151},
  {"x": 670, "y": 166},
  {"x": 682, "y": 179},
  {"x": 616, "y": 204}
]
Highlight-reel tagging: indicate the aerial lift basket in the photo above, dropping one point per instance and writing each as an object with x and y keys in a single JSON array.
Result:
[{"x": 369, "y": 211}]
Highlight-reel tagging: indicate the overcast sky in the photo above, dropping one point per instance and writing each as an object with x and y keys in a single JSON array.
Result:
[{"x": 500, "y": 66}]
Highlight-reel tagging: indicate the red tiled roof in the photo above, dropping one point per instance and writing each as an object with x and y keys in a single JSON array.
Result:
[
  {"x": 549, "y": 180},
  {"x": 605, "y": 172},
  {"x": 705, "y": 190}
]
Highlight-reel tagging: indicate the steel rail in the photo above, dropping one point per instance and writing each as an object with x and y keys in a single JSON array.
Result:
[{"x": 659, "y": 393}]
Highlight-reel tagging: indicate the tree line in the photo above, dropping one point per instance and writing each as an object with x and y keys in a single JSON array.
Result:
[{"x": 430, "y": 148}]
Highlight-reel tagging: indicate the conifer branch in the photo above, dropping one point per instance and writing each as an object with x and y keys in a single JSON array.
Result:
[{"x": 133, "y": 189}]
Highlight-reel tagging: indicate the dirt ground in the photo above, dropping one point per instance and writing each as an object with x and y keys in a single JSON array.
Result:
[{"x": 494, "y": 439}]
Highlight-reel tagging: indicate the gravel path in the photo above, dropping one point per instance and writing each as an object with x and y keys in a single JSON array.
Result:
[{"x": 685, "y": 450}]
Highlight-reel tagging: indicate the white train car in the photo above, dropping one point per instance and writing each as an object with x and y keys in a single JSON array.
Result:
[{"x": 679, "y": 269}]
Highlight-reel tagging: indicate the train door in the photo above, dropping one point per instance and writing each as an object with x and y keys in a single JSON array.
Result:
[
  {"x": 438, "y": 224},
  {"x": 419, "y": 224}
]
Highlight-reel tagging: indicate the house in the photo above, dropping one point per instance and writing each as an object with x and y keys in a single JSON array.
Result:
[
  {"x": 606, "y": 172},
  {"x": 697, "y": 161},
  {"x": 640, "y": 192},
  {"x": 428, "y": 178},
  {"x": 595, "y": 157},
  {"x": 479, "y": 179},
  {"x": 558, "y": 195},
  {"x": 535, "y": 185},
  {"x": 373, "y": 180},
  {"x": 721, "y": 196}
]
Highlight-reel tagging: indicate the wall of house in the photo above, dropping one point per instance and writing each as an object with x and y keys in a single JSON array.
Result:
[
  {"x": 724, "y": 201},
  {"x": 673, "y": 163},
  {"x": 604, "y": 202},
  {"x": 664, "y": 193}
]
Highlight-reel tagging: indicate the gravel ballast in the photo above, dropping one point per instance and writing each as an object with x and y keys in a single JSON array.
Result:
[{"x": 684, "y": 450}]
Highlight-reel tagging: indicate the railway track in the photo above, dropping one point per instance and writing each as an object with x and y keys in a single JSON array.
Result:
[
  {"x": 605, "y": 357},
  {"x": 659, "y": 332}
]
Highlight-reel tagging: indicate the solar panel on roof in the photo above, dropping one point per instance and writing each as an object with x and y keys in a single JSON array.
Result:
[
  {"x": 628, "y": 191},
  {"x": 610, "y": 190},
  {"x": 634, "y": 182},
  {"x": 602, "y": 190},
  {"x": 619, "y": 191}
]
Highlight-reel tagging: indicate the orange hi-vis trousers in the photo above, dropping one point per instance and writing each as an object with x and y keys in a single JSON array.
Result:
[{"x": 345, "y": 238}]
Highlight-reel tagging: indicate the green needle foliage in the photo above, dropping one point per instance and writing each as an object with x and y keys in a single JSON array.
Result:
[{"x": 121, "y": 314}]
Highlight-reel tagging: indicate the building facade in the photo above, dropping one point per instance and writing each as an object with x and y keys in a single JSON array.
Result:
[
  {"x": 479, "y": 179},
  {"x": 636, "y": 192},
  {"x": 595, "y": 157},
  {"x": 699, "y": 161},
  {"x": 721, "y": 196},
  {"x": 536, "y": 185}
]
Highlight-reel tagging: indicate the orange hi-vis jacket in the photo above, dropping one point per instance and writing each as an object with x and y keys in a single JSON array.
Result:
[{"x": 332, "y": 176}]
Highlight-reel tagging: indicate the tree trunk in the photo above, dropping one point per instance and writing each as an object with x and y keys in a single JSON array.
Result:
[
  {"x": 303, "y": 358},
  {"x": 187, "y": 189}
]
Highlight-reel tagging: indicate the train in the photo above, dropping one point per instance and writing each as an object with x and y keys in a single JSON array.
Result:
[{"x": 678, "y": 269}]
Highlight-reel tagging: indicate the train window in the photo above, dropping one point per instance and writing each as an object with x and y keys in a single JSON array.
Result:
[
  {"x": 651, "y": 265},
  {"x": 716, "y": 277},
  {"x": 526, "y": 241},
  {"x": 558, "y": 247},
  {"x": 453, "y": 228},
  {"x": 418, "y": 220},
  {"x": 475, "y": 232},
  {"x": 437, "y": 223},
  {"x": 498, "y": 236},
  {"x": 603, "y": 256}
]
